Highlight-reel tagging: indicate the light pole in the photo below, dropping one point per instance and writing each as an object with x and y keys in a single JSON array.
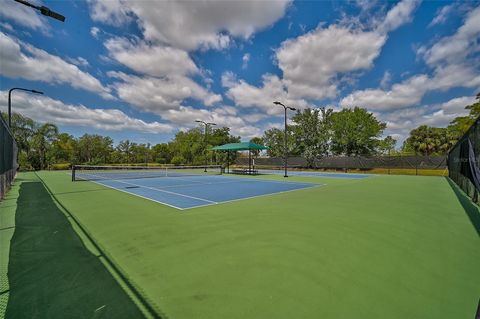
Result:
[
  {"x": 205, "y": 140},
  {"x": 10, "y": 102},
  {"x": 285, "y": 151},
  {"x": 43, "y": 10}
]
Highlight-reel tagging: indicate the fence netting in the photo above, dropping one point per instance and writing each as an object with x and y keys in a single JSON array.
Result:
[
  {"x": 463, "y": 162},
  {"x": 356, "y": 162},
  {"x": 8, "y": 158}
]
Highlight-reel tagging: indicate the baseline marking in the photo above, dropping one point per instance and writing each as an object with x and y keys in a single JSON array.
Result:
[
  {"x": 168, "y": 192},
  {"x": 210, "y": 203},
  {"x": 159, "y": 190},
  {"x": 126, "y": 192},
  {"x": 255, "y": 196},
  {"x": 204, "y": 183}
]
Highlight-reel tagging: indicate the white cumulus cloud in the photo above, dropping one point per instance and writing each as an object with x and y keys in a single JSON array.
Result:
[
  {"x": 23, "y": 15},
  {"x": 46, "y": 109},
  {"x": 223, "y": 116},
  {"x": 245, "y": 60},
  {"x": 190, "y": 25},
  {"x": 442, "y": 15},
  {"x": 400, "y": 14},
  {"x": 312, "y": 62},
  {"x": 22, "y": 60},
  {"x": 401, "y": 95},
  {"x": 315, "y": 65},
  {"x": 454, "y": 64},
  {"x": 248, "y": 96},
  {"x": 155, "y": 95},
  {"x": 458, "y": 47},
  {"x": 401, "y": 122},
  {"x": 149, "y": 59}
]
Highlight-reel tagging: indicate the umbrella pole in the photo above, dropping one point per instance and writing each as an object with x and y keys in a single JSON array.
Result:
[{"x": 249, "y": 161}]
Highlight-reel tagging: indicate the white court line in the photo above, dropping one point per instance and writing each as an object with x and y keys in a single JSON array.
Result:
[
  {"x": 234, "y": 180},
  {"x": 263, "y": 195},
  {"x": 168, "y": 192},
  {"x": 159, "y": 190},
  {"x": 199, "y": 183},
  {"x": 243, "y": 180},
  {"x": 127, "y": 192}
]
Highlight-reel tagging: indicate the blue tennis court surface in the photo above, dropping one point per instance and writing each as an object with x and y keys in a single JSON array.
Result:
[
  {"x": 197, "y": 191},
  {"x": 315, "y": 174}
]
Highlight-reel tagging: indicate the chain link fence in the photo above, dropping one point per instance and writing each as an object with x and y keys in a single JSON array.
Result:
[
  {"x": 8, "y": 158},
  {"x": 355, "y": 162},
  {"x": 463, "y": 162}
]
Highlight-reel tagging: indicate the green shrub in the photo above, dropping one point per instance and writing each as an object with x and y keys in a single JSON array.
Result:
[
  {"x": 178, "y": 160},
  {"x": 60, "y": 166}
]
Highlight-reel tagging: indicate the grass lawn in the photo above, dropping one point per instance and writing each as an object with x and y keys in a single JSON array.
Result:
[{"x": 379, "y": 247}]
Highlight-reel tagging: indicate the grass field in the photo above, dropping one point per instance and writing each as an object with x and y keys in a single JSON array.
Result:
[{"x": 379, "y": 247}]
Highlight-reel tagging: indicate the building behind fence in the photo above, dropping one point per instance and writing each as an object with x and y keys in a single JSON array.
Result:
[
  {"x": 463, "y": 162},
  {"x": 8, "y": 158},
  {"x": 356, "y": 162}
]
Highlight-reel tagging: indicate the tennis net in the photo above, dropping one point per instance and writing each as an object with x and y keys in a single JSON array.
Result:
[{"x": 95, "y": 172}]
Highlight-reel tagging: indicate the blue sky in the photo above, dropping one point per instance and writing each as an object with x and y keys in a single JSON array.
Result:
[{"x": 142, "y": 70}]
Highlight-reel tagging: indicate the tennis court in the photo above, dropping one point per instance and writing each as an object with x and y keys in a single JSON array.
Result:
[
  {"x": 306, "y": 247},
  {"x": 192, "y": 190}
]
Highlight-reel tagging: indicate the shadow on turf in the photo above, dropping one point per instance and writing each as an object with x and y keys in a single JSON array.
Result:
[
  {"x": 470, "y": 208},
  {"x": 51, "y": 273}
]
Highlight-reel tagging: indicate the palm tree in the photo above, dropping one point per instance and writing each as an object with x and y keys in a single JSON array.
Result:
[
  {"x": 23, "y": 129},
  {"x": 42, "y": 139},
  {"x": 125, "y": 147}
]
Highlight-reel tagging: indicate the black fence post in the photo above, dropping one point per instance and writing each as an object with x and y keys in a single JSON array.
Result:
[
  {"x": 388, "y": 162},
  {"x": 416, "y": 164}
]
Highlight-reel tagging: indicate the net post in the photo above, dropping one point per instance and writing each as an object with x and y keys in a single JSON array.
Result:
[{"x": 73, "y": 173}]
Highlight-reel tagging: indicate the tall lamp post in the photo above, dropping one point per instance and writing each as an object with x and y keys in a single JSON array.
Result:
[
  {"x": 10, "y": 102},
  {"x": 205, "y": 139},
  {"x": 43, "y": 10},
  {"x": 285, "y": 150}
]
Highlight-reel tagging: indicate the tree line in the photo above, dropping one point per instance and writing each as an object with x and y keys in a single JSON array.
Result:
[
  {"x": 313, "y": 133},
  {"x": 42, "y": 145},
  {"x": 316, "y": 133},
  {"x": 427, "y": 140}
]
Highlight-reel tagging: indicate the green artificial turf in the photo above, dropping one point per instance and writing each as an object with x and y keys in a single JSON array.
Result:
[
  {"x": 51, "y": 273},
  {"x": 381, "y": 247},
  {"x": 7, "y": 227}
]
